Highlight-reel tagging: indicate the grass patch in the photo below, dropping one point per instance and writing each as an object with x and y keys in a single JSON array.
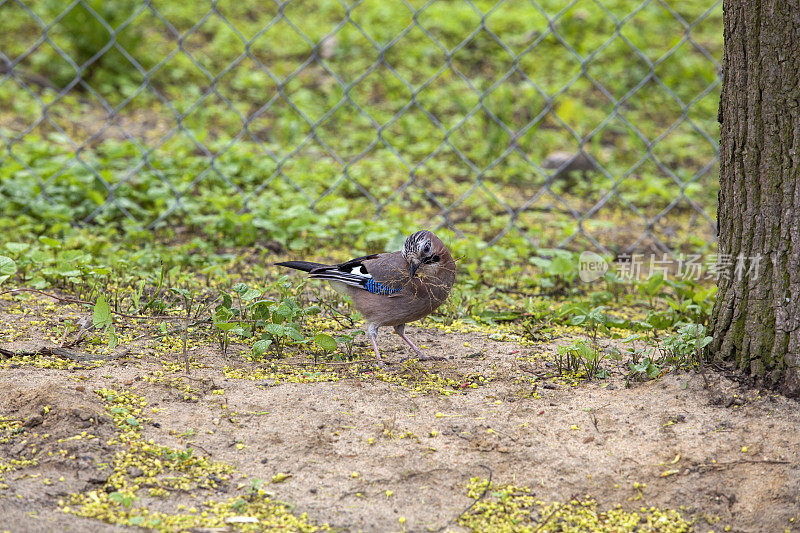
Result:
[
  {"x": 516, "y": 509},
  {"x": 145, "y": 474}
]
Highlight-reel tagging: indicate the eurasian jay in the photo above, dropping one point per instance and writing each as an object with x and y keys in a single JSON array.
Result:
[{"x": 392, "y": 289}]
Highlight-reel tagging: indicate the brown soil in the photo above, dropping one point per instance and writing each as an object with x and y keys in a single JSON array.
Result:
[{"x": 722, "y": 451}]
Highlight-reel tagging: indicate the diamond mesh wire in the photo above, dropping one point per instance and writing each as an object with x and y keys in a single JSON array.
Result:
[{"x": 570, "y": 124}]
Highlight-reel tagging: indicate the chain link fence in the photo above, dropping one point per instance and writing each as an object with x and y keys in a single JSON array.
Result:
[{"x": 566, "y": 124}]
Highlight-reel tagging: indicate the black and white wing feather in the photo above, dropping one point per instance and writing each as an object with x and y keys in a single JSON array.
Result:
[{"x": 356, "y": 274}]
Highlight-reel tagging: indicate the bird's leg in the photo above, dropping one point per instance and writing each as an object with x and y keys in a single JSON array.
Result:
[
  {"x": 372, "y": 333},
  {"x": 401, "y": 330}
]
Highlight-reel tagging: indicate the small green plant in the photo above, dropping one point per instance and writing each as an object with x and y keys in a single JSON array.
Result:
[
  {"x": 125, "y": 499},
  {"x": 582, "y": 359},
  {"x": 280, "y": 323},
  {"x": 538, "y": 323},
  {"x": 188, "y": 301},
  {"x": 7, "y": 268},
  {"x": 102, "y": 318},
  {"x": 324, "y": 342},
  {"x": 651, "y": 288},
  {"x": 348, "y": 340},
  {"x": 568, "y": 359},
  {"x": 559, "y": 269},
  {"x": 594, "y": 320},
  {"x": 276, "y": 322},
  {"x": 680, "y": 350},
  {"x": 690, "y": 301},
  {"x": 686, "y": 346}
]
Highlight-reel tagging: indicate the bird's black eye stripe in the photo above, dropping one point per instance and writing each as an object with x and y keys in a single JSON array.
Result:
[{"x": 432, "y": 259}]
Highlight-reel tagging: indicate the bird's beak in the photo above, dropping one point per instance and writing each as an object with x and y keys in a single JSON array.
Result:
[{"x": 414, "y": 268}]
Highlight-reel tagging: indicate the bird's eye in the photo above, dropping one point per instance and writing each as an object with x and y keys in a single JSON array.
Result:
[{"x": 427, "y": 249}]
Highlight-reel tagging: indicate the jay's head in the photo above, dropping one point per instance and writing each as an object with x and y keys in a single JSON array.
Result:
[{"x": 424, "y": 251}]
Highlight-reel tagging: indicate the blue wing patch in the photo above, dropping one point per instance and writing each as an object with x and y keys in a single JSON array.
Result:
[
  {"x": 353, "y": 273},
  {"x": 378, "y": 288}
]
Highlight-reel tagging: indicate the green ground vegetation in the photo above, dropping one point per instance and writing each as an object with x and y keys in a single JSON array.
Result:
[{"x": 330, "y": 143}]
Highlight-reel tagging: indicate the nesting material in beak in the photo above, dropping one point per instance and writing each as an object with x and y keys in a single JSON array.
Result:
[{"x": 414, "y": 268}]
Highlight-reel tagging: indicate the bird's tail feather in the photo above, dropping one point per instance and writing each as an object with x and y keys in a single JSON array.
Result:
[{"x": 305, "y": 266}]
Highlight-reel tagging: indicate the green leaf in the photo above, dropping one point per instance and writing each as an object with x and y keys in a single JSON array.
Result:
[
  {"x": 72, "y": 256},
  {"x": 251, "y": 294},
  {"x": 17, "y": 247},
  {"x": 7, "y": 268},
  {"x": 261, "y": 347},
  {"x": 50, "y": 243},
  {"x": 325, "y": 341},
  {"x": 40, "y": 256},
  {"x": 102, "y": 313},
  {"x": 577, "y": 320},
  {"x": 275, "y": 330},
  {"x": 182, "y": 292},
  {"x": 132, "y": 421},
  {"x": 653, "y": 285},
  {"x": 541, "y": 262},
  {"x": 67, "y": 270},
  {"x": 281, "y": 313},
  {"x": 294, "y": 333},
  {"x": 562, "y": 266},
  {"x": 239, "y": 288},
  {"x": 227, "y": 301}
]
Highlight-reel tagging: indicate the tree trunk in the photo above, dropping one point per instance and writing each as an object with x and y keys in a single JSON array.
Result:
[{"x": 756, "y": 319}]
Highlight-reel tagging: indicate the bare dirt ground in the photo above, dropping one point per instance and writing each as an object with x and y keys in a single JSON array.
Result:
[{"x": 391, "y": 451}]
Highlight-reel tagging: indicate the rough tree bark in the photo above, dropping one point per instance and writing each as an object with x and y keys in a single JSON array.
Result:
[{"x": 756, "y": 319}]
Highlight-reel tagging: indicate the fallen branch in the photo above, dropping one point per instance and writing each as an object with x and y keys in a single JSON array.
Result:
[
  {"x": 741, "y": 461},
  {"x": 546, "y": 520},
  {"x": 90, "y": 304},
  {"x": 73, "y": 355}
]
